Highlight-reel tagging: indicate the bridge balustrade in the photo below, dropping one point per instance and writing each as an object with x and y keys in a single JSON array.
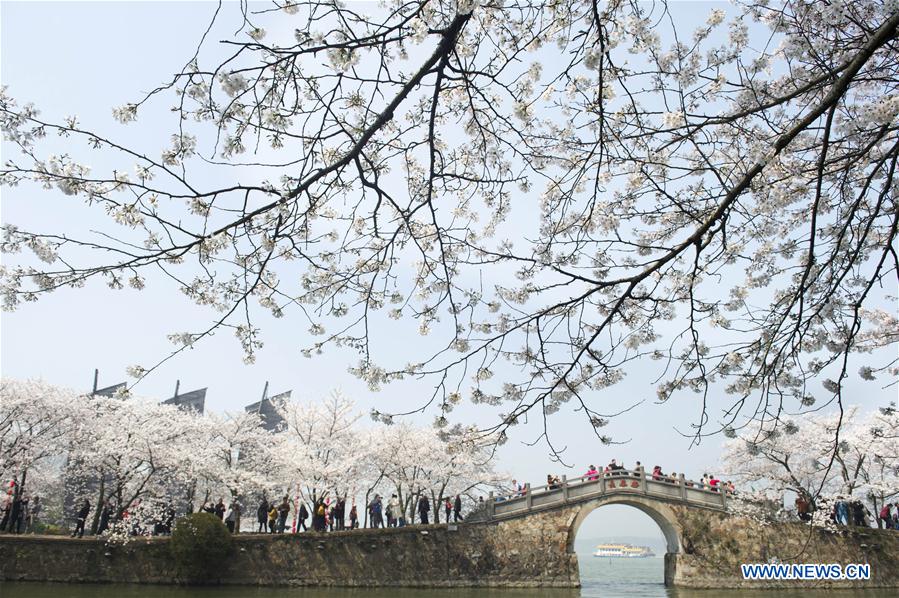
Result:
[{"x": 622, "y": 481}]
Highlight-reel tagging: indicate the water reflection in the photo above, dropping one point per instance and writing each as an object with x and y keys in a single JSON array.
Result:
[{"x": 609, "y": 586}]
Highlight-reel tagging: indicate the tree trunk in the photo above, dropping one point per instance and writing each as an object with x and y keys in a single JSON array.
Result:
[
  {"x": 236, "y": 502},
  {"x": 95, "y": 524},
  {"x": 365, "y": 509}
]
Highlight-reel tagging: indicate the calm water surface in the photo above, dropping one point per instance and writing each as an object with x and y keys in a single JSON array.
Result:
[{"x": 633, "y": 578}]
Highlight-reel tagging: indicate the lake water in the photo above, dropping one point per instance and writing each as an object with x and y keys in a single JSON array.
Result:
[{"x": 600, "y": 578}]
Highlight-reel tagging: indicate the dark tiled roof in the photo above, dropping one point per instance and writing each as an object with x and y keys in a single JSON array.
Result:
[
  {"x": 194, "y": 400},
  {"x": 271, "y": 420},
  {"x": 110, "y": 391}
]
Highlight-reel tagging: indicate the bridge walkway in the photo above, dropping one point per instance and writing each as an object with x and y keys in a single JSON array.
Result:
[{"x": 621, "y": 482}]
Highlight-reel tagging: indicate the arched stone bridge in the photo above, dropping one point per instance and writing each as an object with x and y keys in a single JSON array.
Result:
[{"x": 539, "y": 525}]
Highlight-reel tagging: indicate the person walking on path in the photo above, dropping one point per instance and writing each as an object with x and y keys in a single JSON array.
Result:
[
  {"x": 233, "y": 516},
  {"x": 375, "y": 512},
  {"x": 262, "y": 516},
  {"x": 841, "y": 510},
  {"x": 393, "y": 508},
  {"x": 105, "y": 514},
  {"x": 354, "y": 517},
  {"x": 283, "y": 511},
  {"x": 220, "y": 509},
  {"x": 302, "y": 516},
  {"x": 860, "y": 514},
  {"x": 17, "y": 517},
  {"x": 339, "y": 512},
  {"x": 272, "y": 518},
  {"x": 457, "y": 509},
  {"x": 448, "y": 508},
  {"x": 424, "y": 506},
  {"x": 81, "y": 517}
]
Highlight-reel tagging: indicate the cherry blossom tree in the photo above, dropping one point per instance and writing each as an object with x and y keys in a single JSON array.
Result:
[
  {"x": 404, "y": 456},
  {"x": 876, "y": 438},
  {"x": 411, "y": 461},
  {"x": 99, "y": 448},
  {"x": 145, "y": 458},
  {"x": 563, "y": 187},
  {"x": 135, "y": 448},
  {"x": 797, "y": 455},
  {"x": 233, "y": 455},
  {"x": 35, "y": 419},
  {"x": 321, "y": 448}
]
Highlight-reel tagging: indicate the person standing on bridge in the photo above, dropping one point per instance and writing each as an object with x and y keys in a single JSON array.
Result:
[
  {"x": 424, "y": 506},
  {"x": 457, "y": 509},
  {"x": 592, "y": 474},
  {"x": 614, "y": 468}
]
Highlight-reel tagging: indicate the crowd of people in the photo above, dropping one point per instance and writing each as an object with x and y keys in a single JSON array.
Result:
[
  {"x": 394, "y": 513},
  {"x": 20, "y": 514},
  {"x": 330, "y": 515},
  {"x": 271, "y": 516},
  {"x": 888, "y": 518},
  {"x": 617, "y": 470},
  {"x": 854, "y": 513}
]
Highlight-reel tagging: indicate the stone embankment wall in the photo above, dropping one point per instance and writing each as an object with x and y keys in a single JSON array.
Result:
[
  {"x": 713, "y": 546},
  {"x": 532, "y": 555},
  {"x": 528, "y": 551}
]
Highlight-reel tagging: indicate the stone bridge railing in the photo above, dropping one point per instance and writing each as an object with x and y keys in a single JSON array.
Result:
[{"x": 590, "y": 487}]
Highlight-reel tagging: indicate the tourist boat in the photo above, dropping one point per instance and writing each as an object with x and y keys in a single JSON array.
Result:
[{"x": 626, "y": 551}]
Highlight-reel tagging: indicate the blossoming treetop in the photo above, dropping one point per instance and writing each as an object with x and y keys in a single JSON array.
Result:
[{"x": 548, "y": 184}]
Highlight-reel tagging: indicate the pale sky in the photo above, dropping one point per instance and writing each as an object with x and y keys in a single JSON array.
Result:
[{"x": 86, "y": 58}]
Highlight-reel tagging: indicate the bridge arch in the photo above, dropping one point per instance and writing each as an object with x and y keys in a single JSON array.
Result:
[{"x": 657, "y": 510}]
